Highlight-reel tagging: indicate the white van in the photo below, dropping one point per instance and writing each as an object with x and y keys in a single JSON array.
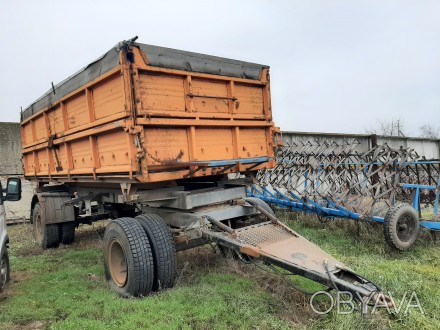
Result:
[{"x": 11, "y": 193}]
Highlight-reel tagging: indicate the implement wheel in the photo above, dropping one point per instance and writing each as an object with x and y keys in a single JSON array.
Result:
[
  {"x": 46, "y": 235},
  {"x": 163, "y": 249},
  {"x": 401, "y": 227},
  {"x": 128, "y": 259}
]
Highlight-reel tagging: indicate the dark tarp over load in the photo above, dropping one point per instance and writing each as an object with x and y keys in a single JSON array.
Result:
[{"x": 158, "y": 57}]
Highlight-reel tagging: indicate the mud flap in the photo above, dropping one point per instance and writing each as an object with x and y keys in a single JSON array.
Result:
[{"x": 54, "y": 208}]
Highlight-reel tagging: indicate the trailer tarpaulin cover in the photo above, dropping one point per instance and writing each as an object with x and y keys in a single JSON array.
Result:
[{"x": 158, "y": 57}]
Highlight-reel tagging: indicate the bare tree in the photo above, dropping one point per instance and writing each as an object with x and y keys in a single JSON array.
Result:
[
  {"x": 430, "y": 132},
  {"x": 393, "y": 127}
]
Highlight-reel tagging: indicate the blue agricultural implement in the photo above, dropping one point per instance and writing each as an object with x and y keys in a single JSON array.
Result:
[{"x": 395, "y": 187}]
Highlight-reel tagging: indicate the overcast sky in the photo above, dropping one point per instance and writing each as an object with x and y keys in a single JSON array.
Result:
[{"x": 336, "y": 66}]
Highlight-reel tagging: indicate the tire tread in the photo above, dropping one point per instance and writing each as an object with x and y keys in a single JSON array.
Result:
[
  {"x": 163, "y": 249},
  {"x": 142, "y": 279},
  {"x": 390, "y": 223},
  {"x": 67, "y": 232}
]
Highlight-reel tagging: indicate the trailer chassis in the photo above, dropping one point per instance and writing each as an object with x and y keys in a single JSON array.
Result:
[{"x": 185, "y": 216}]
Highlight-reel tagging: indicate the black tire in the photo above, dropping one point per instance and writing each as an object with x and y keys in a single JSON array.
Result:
[
  {"x": 260, "y": 203},
  {"x": 401, "y": 227},
  {"x": 163, "y": 248},
  {"x": 67, "y": 232},
  {"x": 47, "y": 236},
  {"x": 5, "y": 270},
  {"x": 128, "y": 259}
]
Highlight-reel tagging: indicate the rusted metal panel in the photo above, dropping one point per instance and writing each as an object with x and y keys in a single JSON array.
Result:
[
  {"x": 53, "y": 208},
  {"x": 166, "y": 145},
  {"x": 150, "y": 121}
]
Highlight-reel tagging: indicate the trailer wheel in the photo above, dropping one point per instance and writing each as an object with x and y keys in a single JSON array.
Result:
[
  {"x": 67, "y": 232},
  {"x": 163, "y": 248},
  {"x": 128, "y": 259},
  {"x": 5, "y": 270},
  {"x": 46, "y": 235},
  {"x": 401, "y": 227}
]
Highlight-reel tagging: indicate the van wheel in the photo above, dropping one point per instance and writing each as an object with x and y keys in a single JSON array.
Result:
[
  {"x": 46, "y": 235},
  {"x": 67, "y": 232},
  {"x": 128, "y": 259},
  {"x": 163, "y": 248},
  {"x": 5, "y": 270}
]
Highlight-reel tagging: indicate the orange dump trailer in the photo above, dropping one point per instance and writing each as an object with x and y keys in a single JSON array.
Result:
[
  {"x": 147, "y": 136},
  {"x": 147, "y": 114}
]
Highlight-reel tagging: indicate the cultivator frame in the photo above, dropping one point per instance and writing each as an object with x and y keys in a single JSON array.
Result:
[{"x": 335, "y": 180}]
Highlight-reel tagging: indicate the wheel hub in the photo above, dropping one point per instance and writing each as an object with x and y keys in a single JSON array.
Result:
[
  {"x": 117, "y": 263},
  {"x": 405, "y": 228}
]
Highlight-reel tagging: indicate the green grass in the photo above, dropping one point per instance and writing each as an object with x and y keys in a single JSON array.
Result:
[
  {"x": 361, "y": 246},
  {"x": 64, "y": 288}
]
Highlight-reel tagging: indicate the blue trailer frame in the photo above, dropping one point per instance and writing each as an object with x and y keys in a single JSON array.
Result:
[{"x": 305, "y": 204}]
